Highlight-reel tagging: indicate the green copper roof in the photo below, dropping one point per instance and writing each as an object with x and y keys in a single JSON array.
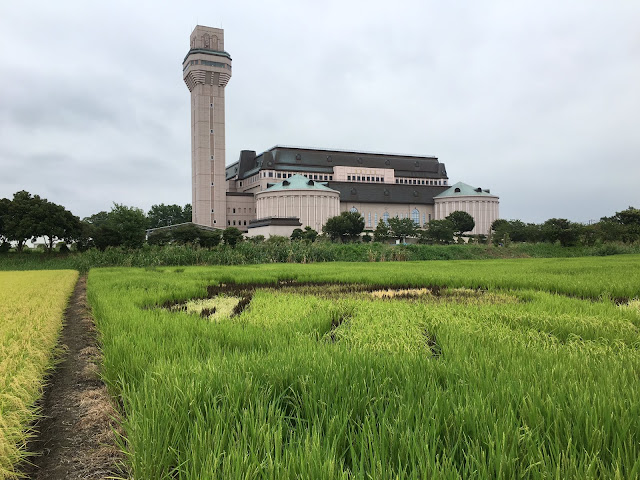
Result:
[
  {"x": 463, "y": 190},
  {"x": 298, "y": 182}
]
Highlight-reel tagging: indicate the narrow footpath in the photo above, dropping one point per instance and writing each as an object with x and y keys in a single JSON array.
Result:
[{"x": 75, "y": 437}]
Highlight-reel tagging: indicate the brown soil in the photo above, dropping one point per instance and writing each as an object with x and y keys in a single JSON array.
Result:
[{"x": 76, "y": 438}]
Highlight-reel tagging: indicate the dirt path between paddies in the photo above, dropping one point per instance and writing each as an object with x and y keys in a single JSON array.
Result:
[{"x": 75, "y": 437}]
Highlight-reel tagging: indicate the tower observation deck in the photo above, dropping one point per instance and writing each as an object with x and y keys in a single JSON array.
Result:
[{"x": 206, "y": 70}]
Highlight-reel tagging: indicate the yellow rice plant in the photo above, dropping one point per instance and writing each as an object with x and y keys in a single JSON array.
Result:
[{"x": 32, "y": 304}]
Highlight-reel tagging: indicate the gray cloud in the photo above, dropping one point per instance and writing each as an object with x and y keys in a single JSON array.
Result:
[{"x": 536, "y": 100}]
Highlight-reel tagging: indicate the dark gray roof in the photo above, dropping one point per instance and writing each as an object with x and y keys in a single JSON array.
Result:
[
  {"x": 239, "y": 194},
  {"x": 177, "y": 225},
  {"x": 280, "y": 221},
  {"x": 297, "y": 159},
  {"x": 386, "y": 193}
]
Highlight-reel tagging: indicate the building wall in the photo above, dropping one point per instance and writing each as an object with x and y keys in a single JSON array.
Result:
[
  {"x": 374, "y": 213},
  {"x": 206, "y": 75},
  {"x": 312, "y": 207},
  {"x": 271, "y": 230},
  {"x": 483, "y": 209},
  {"x": 240, "y": 210},
  {"x": 363, "y": 174}
]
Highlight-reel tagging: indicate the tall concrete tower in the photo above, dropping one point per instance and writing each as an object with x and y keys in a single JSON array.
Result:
[{"x": 206, "y": 71}]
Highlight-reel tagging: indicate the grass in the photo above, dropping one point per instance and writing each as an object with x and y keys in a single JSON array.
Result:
[
  {"x": 505, "y": 372},
  {"x": 295, "y": 252},
  {"x": 31, "y": 309}
]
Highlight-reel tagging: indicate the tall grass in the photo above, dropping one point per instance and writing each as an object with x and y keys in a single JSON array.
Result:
[
  {"x": 31, "y": 308},
  {"x": 294, "y": 252},
  {"x": 472, "y": 384}
]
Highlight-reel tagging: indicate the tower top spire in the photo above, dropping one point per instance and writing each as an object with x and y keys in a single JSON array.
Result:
[{"x": 207, "y": 38}]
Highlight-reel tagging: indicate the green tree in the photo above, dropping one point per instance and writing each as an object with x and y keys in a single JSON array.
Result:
[
  {"x": 297, "y": 234},
  {"x": 382, "y": 233},
  {"x": 55, "y": 223},
  {"x": 122, "y": 226},
  {"x": 4, "y": 210},
  {"x": 185, "y": 234},
  {"x": 500, "y": 230},
  {"x": 130, "y": 223},
  {"x": 20, "y": 221},
  {"x": 165, "y": 215},
  {"x": 209, "y": 238},
  {"x": 347, "y": 226},
  {"x": 624, "y": 226},
  {"x": 462, "y": 222},
  {"x": 630, "y": 216},
  {"x": 309, "y": 234},
  {"x": 438, "y": 231},
  {"x": 232, "y": 236},
  {"x": 561, "y": 230},
  {"x": 401, "y": 228},
  {"x": 160, "y": 237}
]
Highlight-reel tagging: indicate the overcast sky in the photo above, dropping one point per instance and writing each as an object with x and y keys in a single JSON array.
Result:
[{"x": 537, "y": 100}]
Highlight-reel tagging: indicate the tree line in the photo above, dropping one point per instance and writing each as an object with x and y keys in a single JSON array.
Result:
[
  {"x": 28, "y": 217},
  {"x": 623, "y": 227},
  {"x": 349, "y": 226}
]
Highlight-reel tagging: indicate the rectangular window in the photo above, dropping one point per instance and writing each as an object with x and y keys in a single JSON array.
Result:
[
  {"x": 270, "y": 174},
  {"x": 234, "y": 210},
  {"x": 279, "y": 176},
  {"x": 349, "y": 177},
  {"x": 330, "y": 177},
  {"x": 375, "y": 219},
  {"x": 429, "y": 217},
  {"x": 369, "y": 219}
]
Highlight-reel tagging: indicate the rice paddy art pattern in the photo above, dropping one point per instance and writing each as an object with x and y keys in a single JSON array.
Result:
[{"x": 462, "y": 370}]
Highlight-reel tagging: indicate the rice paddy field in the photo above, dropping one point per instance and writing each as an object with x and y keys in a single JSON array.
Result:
[
  {"x": 31, "y": 309},
  {"x": 410, "y": 370}
]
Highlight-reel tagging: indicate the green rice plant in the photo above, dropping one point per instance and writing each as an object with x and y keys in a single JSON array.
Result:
[{"x": 497, "y": 369}]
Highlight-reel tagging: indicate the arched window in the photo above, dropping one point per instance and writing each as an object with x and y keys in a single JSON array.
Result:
[
  {"x": 385, "y": 217},
  {"x": 353, "y": 210},
  {"x": 415, "y": 216}
]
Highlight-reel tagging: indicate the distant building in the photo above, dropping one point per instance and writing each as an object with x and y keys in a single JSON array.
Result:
[{"x": 291, "y": 187}]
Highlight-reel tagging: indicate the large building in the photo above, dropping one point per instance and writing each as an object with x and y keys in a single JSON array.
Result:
[{"x": 284, "y": 187}]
